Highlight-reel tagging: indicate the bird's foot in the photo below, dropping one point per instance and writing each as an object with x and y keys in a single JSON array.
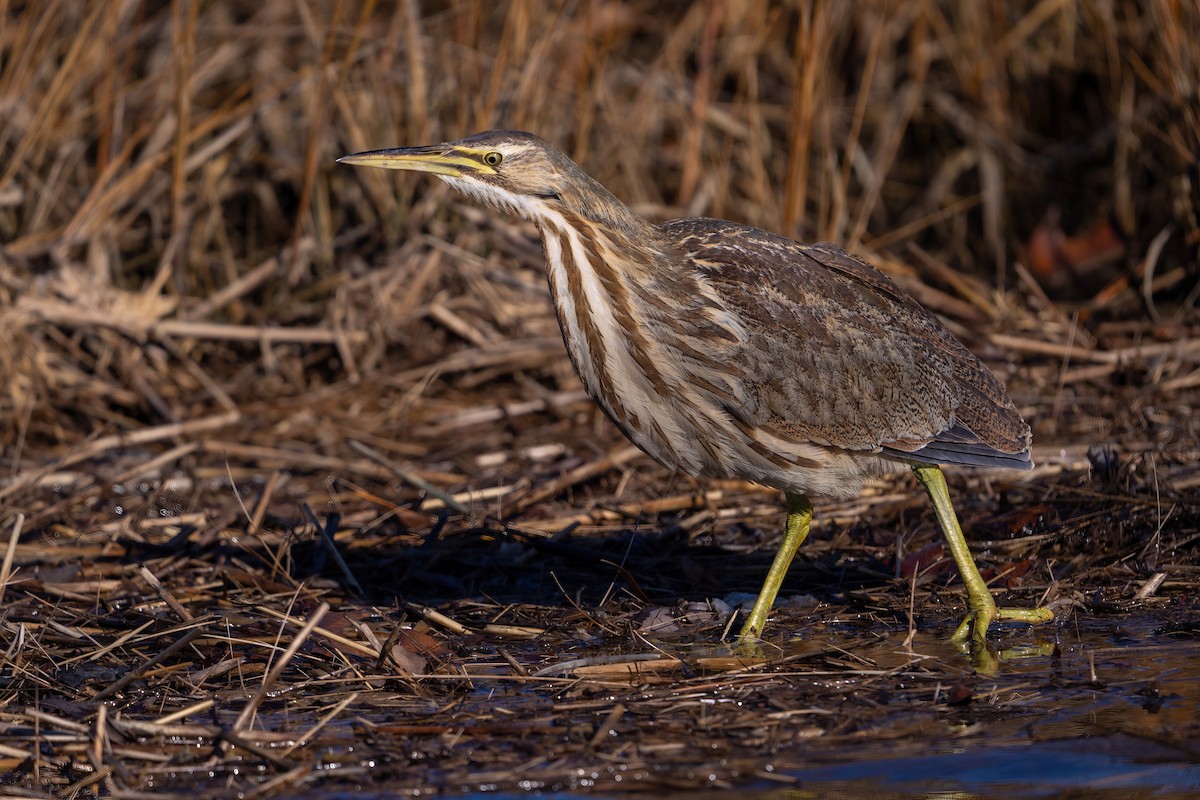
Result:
[{"x": 973, "y": 629}]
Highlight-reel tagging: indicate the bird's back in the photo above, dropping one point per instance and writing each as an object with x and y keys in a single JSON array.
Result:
[{"x": 833, "y": 353}]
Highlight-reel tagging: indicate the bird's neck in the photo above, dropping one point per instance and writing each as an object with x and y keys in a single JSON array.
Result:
[
  {"x": 598, "y": 270},
  {"x": 606, "y": 246},
  {"x": 592, "y": 203}
]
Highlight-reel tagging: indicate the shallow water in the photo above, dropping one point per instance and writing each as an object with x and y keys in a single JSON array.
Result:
[
  {"x": 1101, "y": 708},
  {"x": 1112, "y": 710},
  {"x": 1114, "y": 767}
]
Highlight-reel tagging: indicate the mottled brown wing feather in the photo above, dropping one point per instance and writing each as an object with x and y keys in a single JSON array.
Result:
[{"x": 836, "y": 354}]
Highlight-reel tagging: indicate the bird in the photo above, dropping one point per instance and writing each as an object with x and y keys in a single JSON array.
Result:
[{"x": 727, "y": 351}]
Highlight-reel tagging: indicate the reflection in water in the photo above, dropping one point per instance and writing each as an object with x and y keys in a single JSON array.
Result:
[
  {"x": 1114, "y": 710},
  {"x": 1112, "y": 767}
]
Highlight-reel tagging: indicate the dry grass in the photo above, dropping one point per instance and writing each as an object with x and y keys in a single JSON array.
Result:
[{"x": 206, "y": 325}]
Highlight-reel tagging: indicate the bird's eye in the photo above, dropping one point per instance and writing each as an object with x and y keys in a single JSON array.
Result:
[{"x": 493, "y": 158}]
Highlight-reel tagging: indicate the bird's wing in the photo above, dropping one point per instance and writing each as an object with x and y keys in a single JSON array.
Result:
[{"x": 834, "y": 353}]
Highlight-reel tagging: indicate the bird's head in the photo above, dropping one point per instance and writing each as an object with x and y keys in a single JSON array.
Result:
[{"x": 510, "y": 170}]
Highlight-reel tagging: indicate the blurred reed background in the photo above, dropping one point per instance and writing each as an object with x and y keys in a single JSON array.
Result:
[{"x": 176, "y": 241}]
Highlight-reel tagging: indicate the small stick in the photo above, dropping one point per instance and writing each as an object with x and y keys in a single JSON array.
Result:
[
  {"x": 223, "y": 297},
  {"x": 971, "y": 290},
  {"x": 321, "y": 723},
  {"x": 9, "y": 552},
  {"x": 174, "y": 454},
  {"x": 482, "y": 414},
  {"x": 100, "y": 733},
  {"x": 165, "y": 594},
  {"x": 196, "y": 371},
  {"x": 438, "y": 618},
  {"x": 605, "y": 727},
  {"x": 106, "y": 443},
  {"x": 517, "y": 667},
  {"x": 75, "y": 788},
  {"x": 269, "y": 681},
  {"x": 512, "y": 355},
  {"x": 250, "y": 747},
  {"x": 13, "y": 752},
  {"x": 344, "y": 643},
  {"x": 184, "y": 713},
  {"x": 92, "y": 655},
  {"x": 136, "y": 672},
  {"x": 572, "y": 478},
  {"x": 293, "y": 458},
  {"x": 513, "y": 631},
  {"x": 1178, "y": 349},
  {"x": 1151, "y": 586},
  {"x": 912, "y": 604},
  {"x": 326, "y": 532},
  {"x": 269, "y": 788},
  {"x": 75, "y": 317},
  {"x": 260, "y": 510},
  {"x": 471, "y": 496},
  {"x": 408, "y": 476}
]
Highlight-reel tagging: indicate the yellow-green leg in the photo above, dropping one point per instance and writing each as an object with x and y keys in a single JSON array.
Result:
[
  {"x": 982, "y": 608},
  {"x": 799, "y": 517}
]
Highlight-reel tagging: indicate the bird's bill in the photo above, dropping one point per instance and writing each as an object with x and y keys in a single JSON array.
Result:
[{"x": 439, "y": 159}]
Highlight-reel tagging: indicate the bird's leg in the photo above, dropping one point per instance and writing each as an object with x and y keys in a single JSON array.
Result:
[
  {"x": 799, "y": 516},
  {"x": 979, "y": 600}
]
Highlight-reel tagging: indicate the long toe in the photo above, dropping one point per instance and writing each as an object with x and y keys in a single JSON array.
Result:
[
  {"x": 974, "y": 626},
  {"x": 1033, "y": 616}
]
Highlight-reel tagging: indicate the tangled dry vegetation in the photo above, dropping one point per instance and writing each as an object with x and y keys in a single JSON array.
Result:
[{"x": 261, "y": 413}]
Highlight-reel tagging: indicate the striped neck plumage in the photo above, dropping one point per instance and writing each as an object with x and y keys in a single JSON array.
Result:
[{"x": 607, "y": 267}]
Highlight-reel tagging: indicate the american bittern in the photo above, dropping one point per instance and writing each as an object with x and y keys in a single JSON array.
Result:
[{"x": 727, "y": 351}]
